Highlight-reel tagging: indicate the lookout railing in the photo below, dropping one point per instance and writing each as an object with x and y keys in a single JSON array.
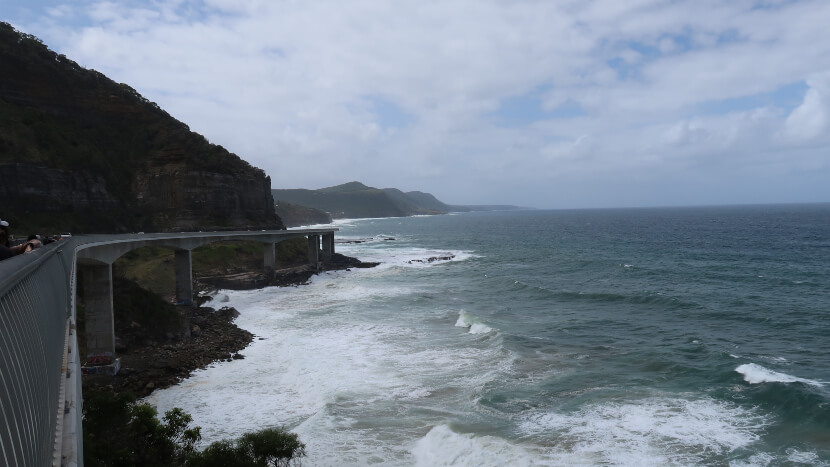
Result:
[{"x": 36, "y": 375}]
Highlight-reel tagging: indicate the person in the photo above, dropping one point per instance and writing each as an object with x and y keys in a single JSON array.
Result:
[
  {"x": 5, "y": 243},
  {"x": 5, "y": 233},
  {"x": 32, "y": 243}
]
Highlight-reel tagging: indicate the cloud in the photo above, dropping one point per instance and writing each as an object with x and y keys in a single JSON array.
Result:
[
  {"x": 811, "y": 120},
  {"x": 480, "y": 100}
]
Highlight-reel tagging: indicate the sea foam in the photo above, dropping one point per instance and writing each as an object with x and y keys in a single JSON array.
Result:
[
  {"x": 471, "y": 322},
  {"x": 654, "y": 431},
  {"x": 756, "y": 374},
  {"x": 443, "y": 446}
]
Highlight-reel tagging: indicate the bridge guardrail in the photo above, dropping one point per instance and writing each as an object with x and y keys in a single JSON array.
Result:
[{"x": 34, "y": 312}]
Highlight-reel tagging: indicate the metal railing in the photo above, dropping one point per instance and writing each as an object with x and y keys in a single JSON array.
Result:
[{"x": 35, "y": 309}]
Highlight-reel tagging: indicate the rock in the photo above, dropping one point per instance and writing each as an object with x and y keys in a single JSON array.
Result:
[
  {"x": 223, "y": 299},
  {"x": 151, "y": 385},
  {"x": 238, "y": 356},
  {"x": 228, "y": 312},
  {"x": 195, "y": 331},
  {"x": 432, "y": 259}
]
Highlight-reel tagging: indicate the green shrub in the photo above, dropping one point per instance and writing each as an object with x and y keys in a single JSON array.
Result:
[
  {"x": 271, "y": 447},
  {"x": 118, "y": 431}
]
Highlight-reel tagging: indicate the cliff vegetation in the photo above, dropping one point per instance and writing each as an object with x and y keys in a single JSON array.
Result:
[{"x": 80, "y": 152}]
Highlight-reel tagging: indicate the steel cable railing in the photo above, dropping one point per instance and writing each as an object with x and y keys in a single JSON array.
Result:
[{"x": 34, "y": 312}]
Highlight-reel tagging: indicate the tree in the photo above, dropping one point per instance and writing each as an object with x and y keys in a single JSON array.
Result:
[
  {"x": 270, "y": 447},
  {"x": 118, "y": 431}
]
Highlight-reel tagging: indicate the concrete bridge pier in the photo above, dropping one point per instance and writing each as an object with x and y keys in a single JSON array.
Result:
[
  {"x": 314, "y": 251},
  {"x": 328, "y": 246},
  {"x": 269, "y": 259},
  {"x": 100, "y": 325},
  {"x": 184, "y": 277}
]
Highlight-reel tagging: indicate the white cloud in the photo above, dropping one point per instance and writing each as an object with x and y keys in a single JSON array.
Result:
[
  {"x": 281, "y": 83},
  {"x": 811, "y": 120}
]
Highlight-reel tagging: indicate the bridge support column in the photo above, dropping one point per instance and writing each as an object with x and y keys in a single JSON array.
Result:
[
  {"x": 314, "y": 250},
  {"x": 184, "y": 277},
  {"x": 100, "y": 324},
  {"x": 328, "y": 246},
  {"x": 269, "y": 259}
]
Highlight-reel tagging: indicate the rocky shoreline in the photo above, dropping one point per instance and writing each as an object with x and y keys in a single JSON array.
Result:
[
  {"x": 207, "y": 335},
  {"x": 213, "y": 338}
]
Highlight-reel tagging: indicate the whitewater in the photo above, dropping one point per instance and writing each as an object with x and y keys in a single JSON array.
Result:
[{"x": 606, "y": 337}]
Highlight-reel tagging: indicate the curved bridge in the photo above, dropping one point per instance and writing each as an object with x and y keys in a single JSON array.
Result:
[{"x": 40, "y": 369}]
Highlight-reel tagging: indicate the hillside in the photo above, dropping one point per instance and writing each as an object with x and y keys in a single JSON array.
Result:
[
  {"x": 350, "y": 200},
  {"x": 80, "y": 152},
  {"x": 294, "y": 215},
  {"x": 356, "y": 200}
]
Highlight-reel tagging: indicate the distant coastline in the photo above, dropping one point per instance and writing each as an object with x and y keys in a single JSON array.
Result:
[{"x": 354, "y": 200}]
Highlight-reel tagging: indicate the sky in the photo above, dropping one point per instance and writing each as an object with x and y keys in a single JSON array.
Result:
[{"x": 542, "y": 103}]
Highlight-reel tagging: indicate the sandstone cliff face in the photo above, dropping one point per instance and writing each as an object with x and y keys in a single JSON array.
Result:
[
  {"x": 54, "y": 189},
  {"x": 81, "y": 152},
  {"x": 186, "y": 199}
]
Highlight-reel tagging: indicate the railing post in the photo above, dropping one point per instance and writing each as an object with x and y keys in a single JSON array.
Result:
[
  {"x": 184, "y": 277},
  {"x": 100, "y": 325}
]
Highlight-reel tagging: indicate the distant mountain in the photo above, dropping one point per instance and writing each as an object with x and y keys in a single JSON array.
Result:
[
  {"x": 428, "y": 202},
  {"x": 355, "y": 200},
  {"x": 80, "y": 152},
  {"x": 350, "y": 200}
]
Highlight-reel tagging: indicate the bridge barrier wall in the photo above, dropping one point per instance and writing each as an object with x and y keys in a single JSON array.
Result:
[{"x": 35, "y": 309}]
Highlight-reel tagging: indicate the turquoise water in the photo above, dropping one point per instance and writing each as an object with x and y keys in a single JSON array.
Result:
[{"x": 678, "y": 336}]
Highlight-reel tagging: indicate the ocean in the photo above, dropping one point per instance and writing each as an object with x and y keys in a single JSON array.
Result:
[{"x": 664, "y": 336}]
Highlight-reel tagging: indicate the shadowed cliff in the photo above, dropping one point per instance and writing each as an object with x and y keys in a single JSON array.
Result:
[{"x": 81, "y": 153}]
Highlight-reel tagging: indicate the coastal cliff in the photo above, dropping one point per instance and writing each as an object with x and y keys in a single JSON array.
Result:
[
  {"x": 355, "y": 200},
  {"x": 294, "y": 215},
  {"x": 81, "y": 152}
]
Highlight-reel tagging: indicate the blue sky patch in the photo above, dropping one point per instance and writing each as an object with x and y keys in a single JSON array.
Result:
[
  {"x": 786, "y": 97},
  {"x": 389, "y": 115},
  {"x": 526, "y": 109}
]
